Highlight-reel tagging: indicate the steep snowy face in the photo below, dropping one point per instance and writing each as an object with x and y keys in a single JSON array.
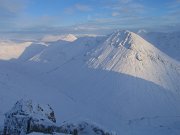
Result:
[{"x": 127, "y": 53}]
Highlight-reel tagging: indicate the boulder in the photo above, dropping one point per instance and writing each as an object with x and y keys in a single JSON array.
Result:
[{"x": 26, "y": 117}]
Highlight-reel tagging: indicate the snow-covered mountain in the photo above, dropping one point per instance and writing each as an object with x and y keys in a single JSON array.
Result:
[
  {"x": 53, "y": 38},
  {"x": 62, "y": 51},
  {"x": 127, "y": 53},
  {"x": 120, "y": 81}
]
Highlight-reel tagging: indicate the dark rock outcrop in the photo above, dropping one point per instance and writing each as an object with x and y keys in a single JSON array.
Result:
[
  {"x": 83, "y": 128},
  {"x": 26, "y": 117}
]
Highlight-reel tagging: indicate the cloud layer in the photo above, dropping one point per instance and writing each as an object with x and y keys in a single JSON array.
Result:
[{"x": 38, "y": 16}]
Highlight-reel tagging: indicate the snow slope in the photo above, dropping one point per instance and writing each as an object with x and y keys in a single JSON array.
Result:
[
  {"x": 166, "y": 42},
  {"x": 12, "y": 50},
  {"x": 120, "y": 81}
]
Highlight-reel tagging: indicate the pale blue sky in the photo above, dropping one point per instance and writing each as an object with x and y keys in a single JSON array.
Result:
[{"x": 87, "y": 15}]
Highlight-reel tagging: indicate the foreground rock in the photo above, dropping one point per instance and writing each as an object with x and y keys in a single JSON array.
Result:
[
  {"x": 27, "y": 117},
  {"x": 83, "y": 128}
]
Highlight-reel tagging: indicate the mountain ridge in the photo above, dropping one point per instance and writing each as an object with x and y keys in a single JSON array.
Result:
[{"x": 101, "y": 80}]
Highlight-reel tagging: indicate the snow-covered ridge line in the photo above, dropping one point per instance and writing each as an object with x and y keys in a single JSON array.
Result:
[
  {"x": 12, "y": 50},
  {"x": 53, "y": 38}
]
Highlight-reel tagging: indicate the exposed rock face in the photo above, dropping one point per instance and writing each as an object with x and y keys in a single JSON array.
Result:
[
  {"x": 26, "y": 117},
  {"x": 83, "y": 128}
]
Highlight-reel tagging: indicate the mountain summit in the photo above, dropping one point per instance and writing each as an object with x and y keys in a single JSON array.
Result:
[{"x": 128, "y": 53}]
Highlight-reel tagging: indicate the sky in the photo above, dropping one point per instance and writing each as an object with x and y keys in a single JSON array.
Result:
[{"x": 87, "y": 16}]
